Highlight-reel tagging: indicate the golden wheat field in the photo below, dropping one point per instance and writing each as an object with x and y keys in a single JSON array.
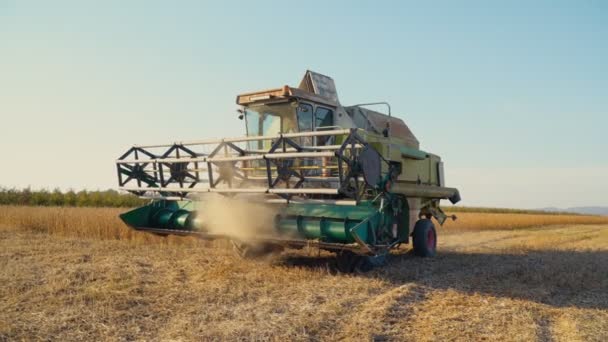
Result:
[{"x": 80, "y": 274}]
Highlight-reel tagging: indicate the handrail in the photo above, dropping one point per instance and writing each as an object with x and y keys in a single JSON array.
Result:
[{"x": 250, "y": 138}]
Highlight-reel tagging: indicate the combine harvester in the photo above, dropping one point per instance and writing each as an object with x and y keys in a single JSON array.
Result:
[{"x": 341, "y": 178}]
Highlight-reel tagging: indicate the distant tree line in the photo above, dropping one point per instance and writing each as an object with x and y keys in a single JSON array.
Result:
[
  {"x": 450, "y": 209},
  {"x": 70, "y": 198},
  {"x": 113, "y": 198}
]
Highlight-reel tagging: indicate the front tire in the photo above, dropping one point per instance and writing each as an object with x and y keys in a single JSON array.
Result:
[
  {"x": 425, "y": 238},
  {"x": 253, "y": 251},
  {"x": 349, "y": 262}
]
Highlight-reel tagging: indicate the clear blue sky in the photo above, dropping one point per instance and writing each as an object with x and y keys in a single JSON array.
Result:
[{"x": 512, "y": 94}]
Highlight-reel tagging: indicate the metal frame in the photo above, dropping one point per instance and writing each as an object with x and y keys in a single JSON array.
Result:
[
  {"x": 294, "y": 243},
  {"x": 223, "y": 166}
]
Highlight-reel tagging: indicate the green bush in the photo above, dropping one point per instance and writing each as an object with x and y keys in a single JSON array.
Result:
[{"x": 84, "y": 198}]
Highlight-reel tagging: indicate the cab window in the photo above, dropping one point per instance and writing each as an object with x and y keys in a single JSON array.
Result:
[
  {"x": 305, "y": 118},
  {"x": 324, "y": 118}
]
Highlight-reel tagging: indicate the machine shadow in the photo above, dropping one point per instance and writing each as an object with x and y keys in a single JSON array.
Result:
[{"x": 556, "y": 278}]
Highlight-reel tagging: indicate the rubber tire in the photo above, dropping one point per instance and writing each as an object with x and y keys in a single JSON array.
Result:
[
  {"x": 422, "y": 230},
  {"x": 247, "y": 251},
  {"x": 349, "y": 262}
]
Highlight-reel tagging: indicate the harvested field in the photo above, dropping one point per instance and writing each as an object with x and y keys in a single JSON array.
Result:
[
  {"x": 467, "y": 221},
  {"x": 103, "y": 223},
  {"x": 80, "y": 274}
]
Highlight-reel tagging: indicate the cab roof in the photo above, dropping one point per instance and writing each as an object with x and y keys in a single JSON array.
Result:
[{"x": 313, "y": 87}]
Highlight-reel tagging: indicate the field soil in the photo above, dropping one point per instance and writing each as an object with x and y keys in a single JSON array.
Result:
[{"x": 545, "y": 283}]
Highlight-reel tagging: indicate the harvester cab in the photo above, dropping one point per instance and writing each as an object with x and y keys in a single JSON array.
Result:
[{"x": 342, "y": 178}]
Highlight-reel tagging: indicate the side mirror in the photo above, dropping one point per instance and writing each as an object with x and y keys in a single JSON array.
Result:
[{"x": 386, "y": 131}]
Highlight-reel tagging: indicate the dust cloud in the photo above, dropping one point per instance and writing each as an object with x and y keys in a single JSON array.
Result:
[{"x": 242, "y": 218}]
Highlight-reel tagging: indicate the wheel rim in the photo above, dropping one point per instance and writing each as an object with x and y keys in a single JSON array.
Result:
[{"x": 430, "y": 239}]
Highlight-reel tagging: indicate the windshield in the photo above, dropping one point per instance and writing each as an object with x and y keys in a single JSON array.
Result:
[
  {"x": 287, "y": 117},
  {"x": 270, "y": 119},
  {"x": 262, "y": 124}
]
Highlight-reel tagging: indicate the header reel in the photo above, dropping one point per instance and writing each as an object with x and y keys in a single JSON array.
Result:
[{"x": 229, "y": 166}]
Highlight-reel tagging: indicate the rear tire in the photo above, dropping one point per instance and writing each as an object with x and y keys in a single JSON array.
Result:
[{"x": 425, "y": 238}]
